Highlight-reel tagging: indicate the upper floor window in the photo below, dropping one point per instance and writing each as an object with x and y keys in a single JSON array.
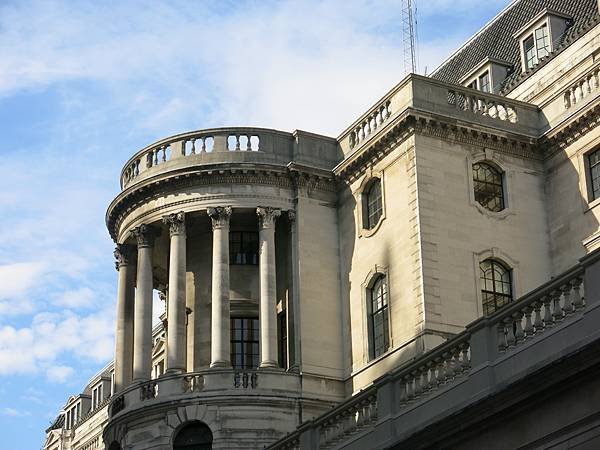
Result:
[
  {"x": 536, "y": 46},
  {"x": 97, "y": 396},
  {"x": 243, "y": 247},
  {"x": 496, "y": 285},
  {"x": 193, "y": 436},
  {"x": 488, "y": 187},
  {"x": 373, "y": 203},
  {"x": 378, "y": 317},
  {"x": 244, "y": 343},
  {"x": 594, "y": 162}
]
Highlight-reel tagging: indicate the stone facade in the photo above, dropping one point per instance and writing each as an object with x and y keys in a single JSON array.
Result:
[{"x": 299, "y": 271}]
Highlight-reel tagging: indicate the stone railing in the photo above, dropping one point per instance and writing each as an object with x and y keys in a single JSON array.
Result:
[
  {"x": 582, "y": 88},
  {"x": 417, "y": 94},
  {"x": 198, "y": 145},
  {"x": 227, "y": 382},
  {"x": 504, "y": 343}
]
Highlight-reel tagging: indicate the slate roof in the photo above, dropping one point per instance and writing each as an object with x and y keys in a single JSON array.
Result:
[{"x": 495, "y": 39}]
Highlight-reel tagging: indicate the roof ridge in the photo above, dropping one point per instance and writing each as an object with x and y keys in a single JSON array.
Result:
[{"x": 473, "y": 37}]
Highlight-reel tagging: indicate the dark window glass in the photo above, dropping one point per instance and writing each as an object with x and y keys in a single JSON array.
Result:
[
  {"x": 484, "y": 82},
  {"x": 378, "y": 317},
  {"x": 496, "y": 285},
  {"x": 594, "y": 160},
  {"x": 282, "y": 341},
  {"x": 243, "y": 247},
  {"x": 244, "y": 343},
  {"x": 530, "y": 55},
  {"x": 374, "y": 203},
  {"x": 488, "y": 188},
  {"x": 195, "y": 436},
  {"x": 473, "y": 84}
]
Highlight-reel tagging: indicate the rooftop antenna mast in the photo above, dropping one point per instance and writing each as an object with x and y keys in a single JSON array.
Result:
[{"x": 409, "y": 35}]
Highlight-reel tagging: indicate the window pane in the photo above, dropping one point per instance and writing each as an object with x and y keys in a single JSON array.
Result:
[
  {"x": 484, "y": 82},
  {"x": 244, "y": 343},
  {"x": 594, "y": 161},
  {"x": 542, "y": 41},
  {"x": 496, "y": 285},
  {"x": 374, "y": 204},
  {"x": 487, "y": 186},
  {"x": 530, "y": 55},
  {"x": 378, "y": 317}
]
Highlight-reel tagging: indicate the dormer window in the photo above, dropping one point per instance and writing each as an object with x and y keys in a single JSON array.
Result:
[
  {"x": 539, "y": 37},
  {"x": 488, "y": 75}
]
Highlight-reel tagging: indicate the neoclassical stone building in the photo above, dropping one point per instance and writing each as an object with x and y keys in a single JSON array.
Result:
[{"x": 430, "y": 278}]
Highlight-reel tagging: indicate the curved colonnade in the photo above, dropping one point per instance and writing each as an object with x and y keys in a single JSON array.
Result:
[{"x": 173, "y": 222}]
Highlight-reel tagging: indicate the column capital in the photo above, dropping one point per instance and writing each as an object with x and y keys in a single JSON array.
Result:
[
  {"x": 220, "y": 216},
  {"x": 144, "y": 235},
  {"x": 267, "y": 216},
  {"x": 176, "y": 222},
  {"x": 124, "y": 255}
]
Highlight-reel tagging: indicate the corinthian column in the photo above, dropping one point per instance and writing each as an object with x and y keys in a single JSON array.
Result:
[
  {"x": 124, "y": 255},
  {"x": 219, "y": 337},
  {"x": 142, "y": 338},
  {"x": 268, "y": 293},
  {"x": 176, "y": 349}
]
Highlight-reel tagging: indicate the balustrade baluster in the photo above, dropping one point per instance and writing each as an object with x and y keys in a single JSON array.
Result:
[
  {"x": 577, "y": 300},
  {"x": 465, "y": 356},
  {"x": 537, "y": 322},
  {"x": 528, "y": 325},
  {"x": 449, "y": 366},
  {"x": 567, "y": 305},
  {"x": 156, "y": 156},
  {"x": 546, "y": 300},
  {"x": 417, "y": 377},
  {"x": 441, "y": 372},
  {"x": 508, "y": 329},
  {"x": 557, "y": 312},
  {"x": 502, "y": 345},
  {"x": 410, "y": 393},
  {"x": 518, "y": 327},
  {"x": 458, "y": 368}
]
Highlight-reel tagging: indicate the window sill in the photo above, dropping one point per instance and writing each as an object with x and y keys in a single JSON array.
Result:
[
  {"x": 500, "y": 215},
  {"x": 368, "y": 232},
  {"x": 591, "y": 205}
]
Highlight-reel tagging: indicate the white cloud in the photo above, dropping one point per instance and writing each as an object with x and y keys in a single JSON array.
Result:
[
  {"x": 52, "y": 336},
  {"x": 16, "y": 279},
  {"x": 59, "y": 374},
  {"x": 12, "y": 412},
  {"x": 77, "y": 298}
]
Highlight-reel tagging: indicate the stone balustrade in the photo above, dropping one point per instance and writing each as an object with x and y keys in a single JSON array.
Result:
[
  {"x": 582, "y": 88},
  {"x": 210, "y": 382},
  {"x": 424, "y": 96},
  {"x": 468, "y": 367}
]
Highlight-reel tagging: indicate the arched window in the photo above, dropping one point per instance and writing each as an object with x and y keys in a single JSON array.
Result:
[
  {"x": 194, "y": 436},
  {"x": 496, "y": 285},
  {"x": 114, "y": 446},
  {"x": 488, "y": 187},
  {"x": 379, "y": 338},
  {"x": 373, "y": 204}
]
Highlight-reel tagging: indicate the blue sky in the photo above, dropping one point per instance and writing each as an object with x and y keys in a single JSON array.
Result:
[{"x": 85, "y": 84}]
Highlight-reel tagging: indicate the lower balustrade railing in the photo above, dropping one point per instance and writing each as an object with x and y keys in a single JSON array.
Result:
[
  {"x": 533, "y": 315},
  {"x": 166, "y": 386}
]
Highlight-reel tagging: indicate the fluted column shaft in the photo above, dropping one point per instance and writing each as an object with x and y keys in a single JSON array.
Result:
[
  {"x": 268, "y": 292},
  {"x": 220, "y": 322},
  {"x": 124, "y": 255},
  {"x": 142, "y": 339},
  {"x": 176, "y": 332}
]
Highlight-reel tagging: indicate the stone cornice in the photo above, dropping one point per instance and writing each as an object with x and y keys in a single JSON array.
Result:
[
  {"x": 561, "y": 137},
  {"x": 446, "y": 128},
  {"x": 290, "y": 177}
]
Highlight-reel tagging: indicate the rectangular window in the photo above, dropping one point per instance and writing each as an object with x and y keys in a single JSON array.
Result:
[
  {"x": 542, "y": 41},
  {"x": 484, "y": 82},
  {"x": 530, "y": 55},
  {"x": 282, "y": 341},
  {"x": 473, "y": 84},
  {"x": 244, "y": 343},
  {"x": 594, "y": 161},
  {"x": 243, "y": 247}
]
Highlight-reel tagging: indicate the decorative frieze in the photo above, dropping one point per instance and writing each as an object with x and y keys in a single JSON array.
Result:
[
  {"x": 267, "y": 216},
  {"x": 176, "y": 223},
  {"x": 145, "y": 235},
  {"x": 220, "y": 216}
]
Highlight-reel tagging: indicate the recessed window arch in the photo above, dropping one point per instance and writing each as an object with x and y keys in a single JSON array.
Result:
[
  {"x": 378, "y": 316},
  {"x": 496, "y": 285},
  {"x": 372, "y": 204},
  {"x": 488, "y": 186},
  {"x": 193, "y": 436}
]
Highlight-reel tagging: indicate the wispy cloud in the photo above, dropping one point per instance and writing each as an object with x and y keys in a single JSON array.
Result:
[{"x": 12, "y": 412}]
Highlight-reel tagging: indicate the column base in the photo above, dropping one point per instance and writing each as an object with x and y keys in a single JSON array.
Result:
[
  {"x": 220, "y": 365},
  {"x": 269, "y": 365}
]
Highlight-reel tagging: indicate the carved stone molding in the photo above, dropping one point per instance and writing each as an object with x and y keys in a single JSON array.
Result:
[
  {"x": 176, "y": 222},
  {"x": 124, "y": 255},
  {"x": 267, "y": 216},
  {"x": 220, "y": 216},
  {"x": 144, "y": 235},
  {"x": 291, "y": 215}
]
